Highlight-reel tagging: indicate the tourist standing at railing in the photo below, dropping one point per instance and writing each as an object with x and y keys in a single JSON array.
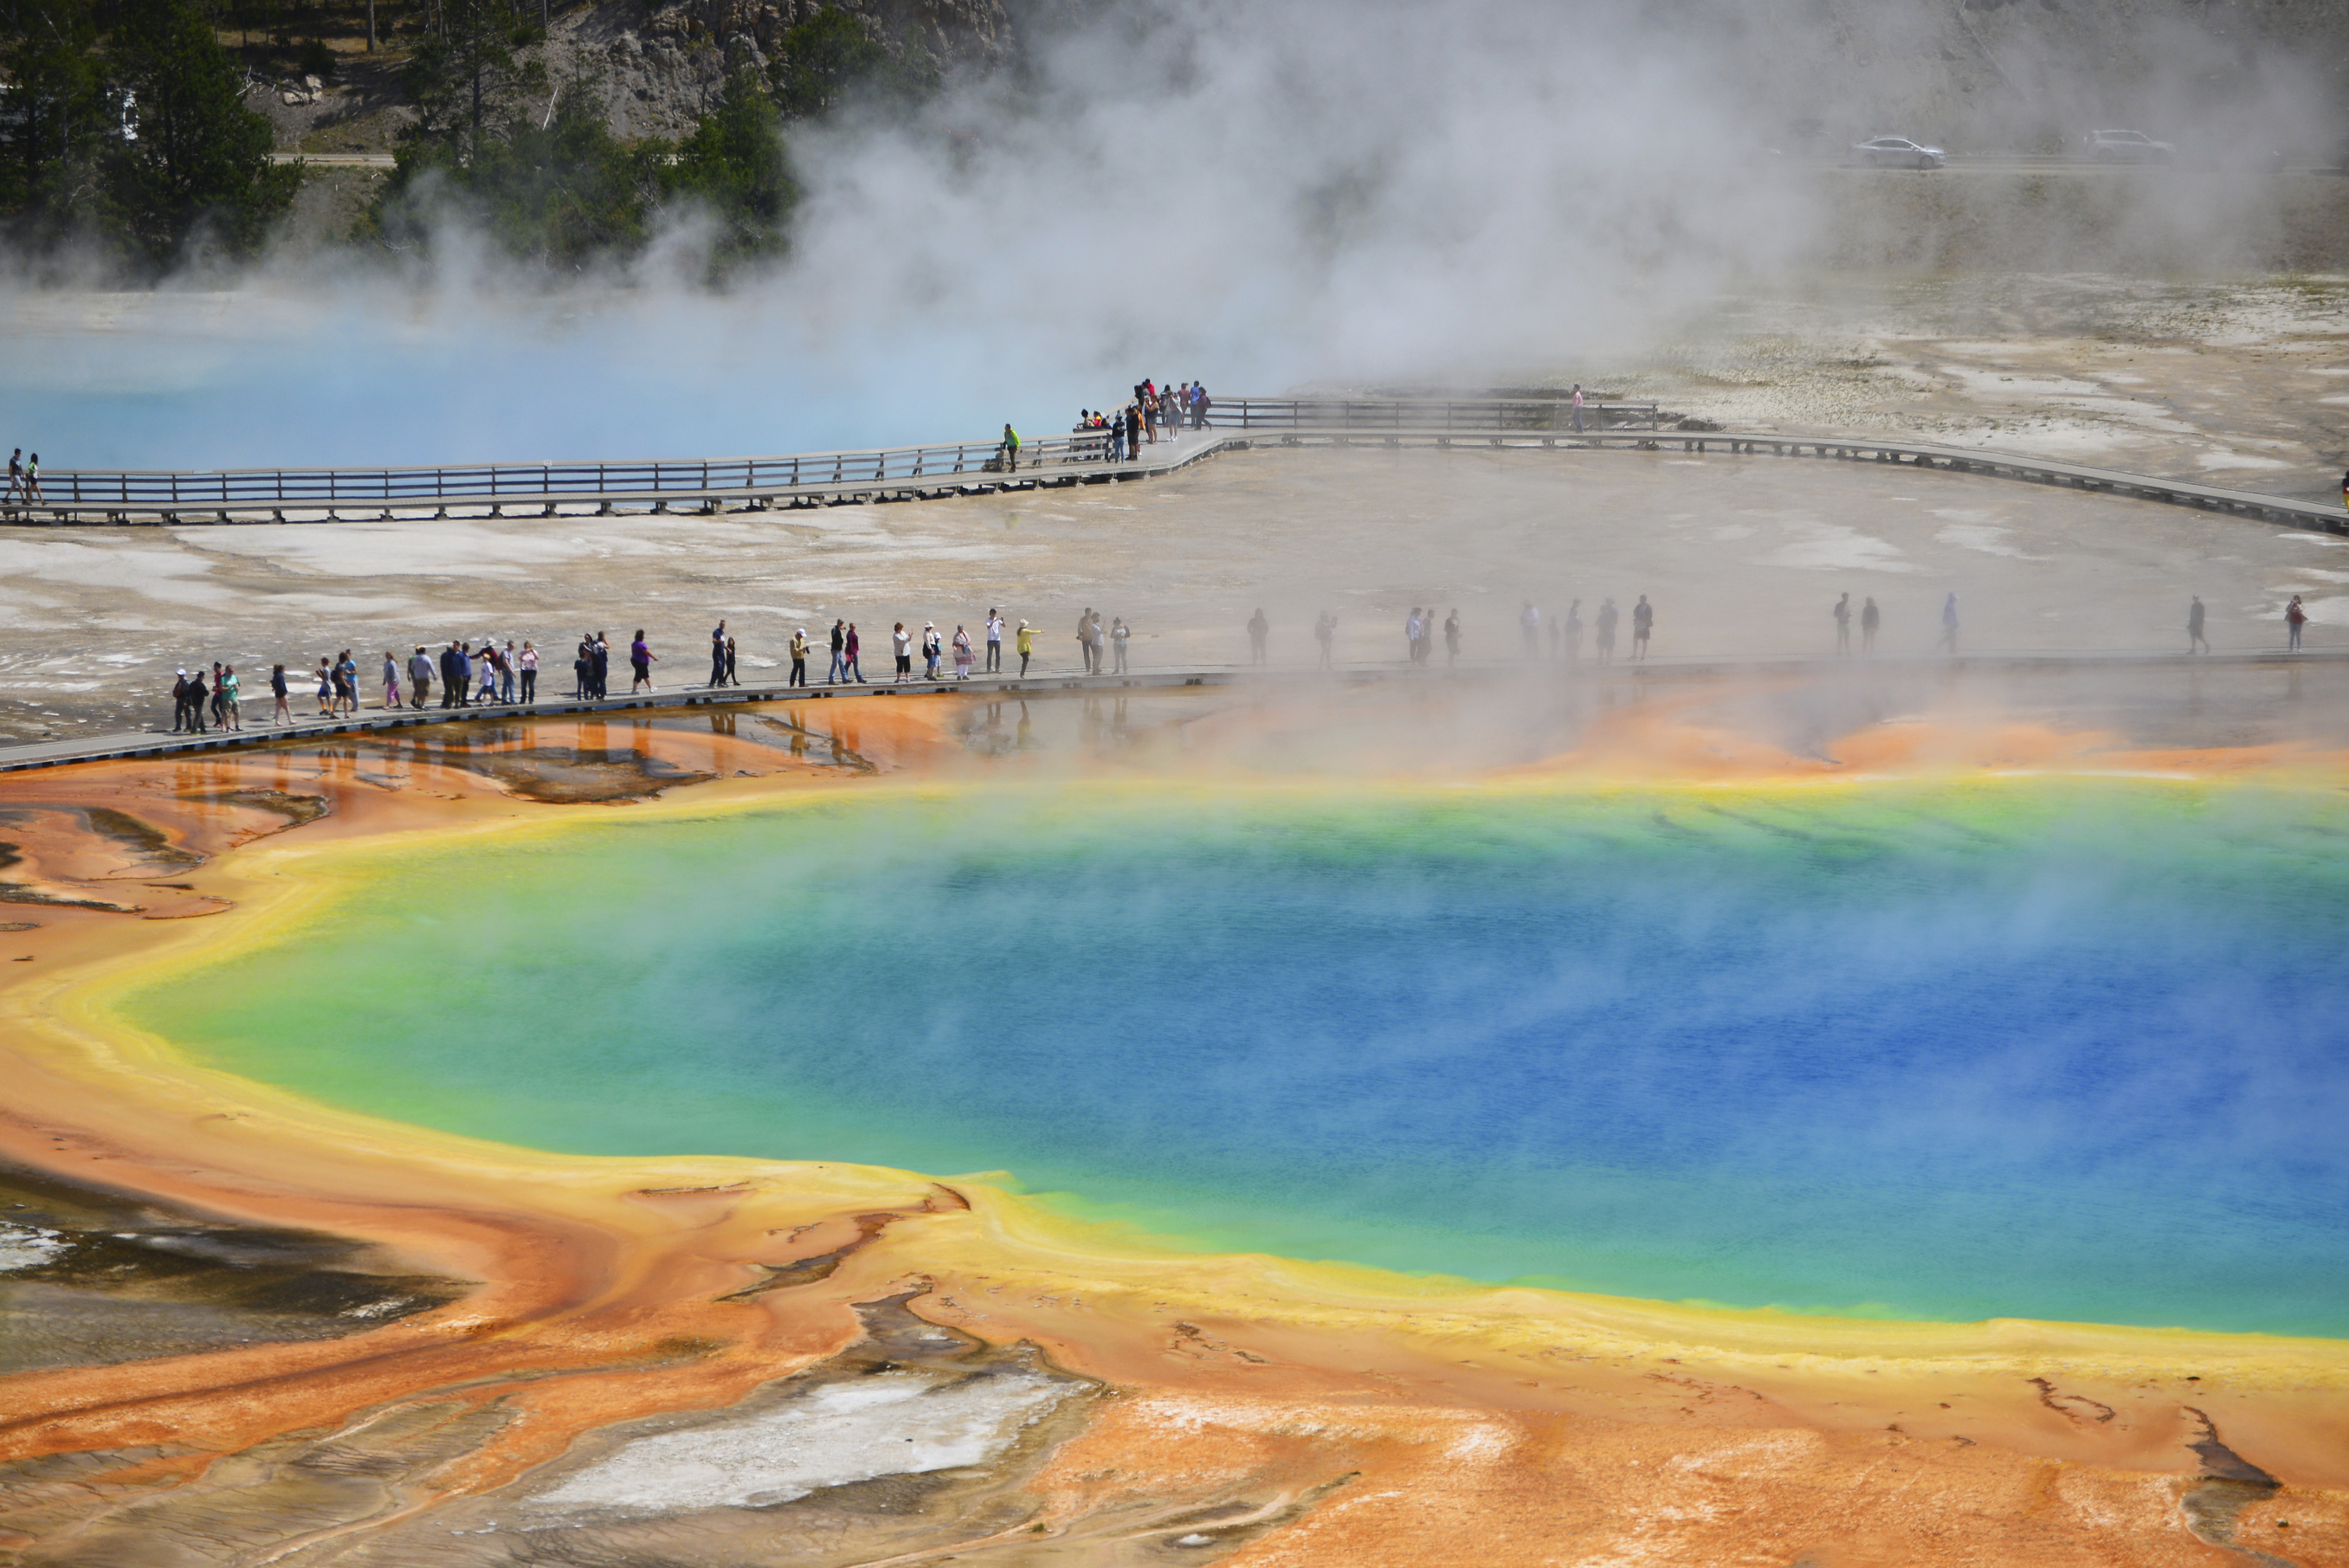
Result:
[
  {"x": 933, "y": 649},
  {"x": 1578, "y": 408},
  {"x": 718, "y": 655},
  {"x": 994, "y": 642},
  {"x": 508, "y": 672},
  {"x": 799, "y": 658},
  {"x": 838, "y": 669},
  {"x": 1120, "y": 636},
  {"x": 1011, "y": 449},
  {"x": 2294, "y": 618},
  {"x": 1101, "y": 645},
  {"x": 1200, "y": 405},
  {"x": 901, "y": 648},
  {"x": 963, "y": 659},
  {"x": 529, "y": 671},
  {"x": 1133, "y": 431},
  {"x": 1086, "y": 639},
  {"x": 640, "y": 660}
]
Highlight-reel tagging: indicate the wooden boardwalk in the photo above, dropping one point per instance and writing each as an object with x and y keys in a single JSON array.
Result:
[{"x": 160, "y": 743}]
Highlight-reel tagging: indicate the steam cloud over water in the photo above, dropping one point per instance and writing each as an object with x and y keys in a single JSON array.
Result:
[{"x": 1253, "y": 193}]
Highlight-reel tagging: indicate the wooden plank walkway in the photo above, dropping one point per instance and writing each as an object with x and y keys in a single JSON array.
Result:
[{"x": 160, "y": 743}]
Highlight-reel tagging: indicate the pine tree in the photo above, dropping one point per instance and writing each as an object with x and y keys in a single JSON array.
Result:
[
  {"x": 196, "y": 161},
  {"x": 53, "y": 121}
]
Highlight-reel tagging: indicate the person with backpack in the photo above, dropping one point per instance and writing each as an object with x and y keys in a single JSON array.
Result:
[
  {"x": 1011, "y": 449},
  {"x": 2294, "y": 618}
]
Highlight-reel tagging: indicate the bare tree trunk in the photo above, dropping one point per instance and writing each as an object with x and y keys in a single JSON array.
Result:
[
  {"x": 370, "y": 26},
  {"x": 546, "y": 17}
]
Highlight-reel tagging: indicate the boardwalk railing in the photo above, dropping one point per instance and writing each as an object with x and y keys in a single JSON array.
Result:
[
  {"x": 1430, "y": 416},
  {"x": 654, "y": 482}
]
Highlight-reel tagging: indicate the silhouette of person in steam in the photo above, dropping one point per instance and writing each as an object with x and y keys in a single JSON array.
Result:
[
  {"x": 1950, "y": 626},
  {"x": 2195, "y": 641},
  {"x": 2294, "y": 618},
  {"x": 1871, "y": 618},
  {"x": 1258, "y": 628},
  {"x": 1843, "y": 626},
  {"x": 1643, "y": 621},
  {"x": 1607, "y": 618}
]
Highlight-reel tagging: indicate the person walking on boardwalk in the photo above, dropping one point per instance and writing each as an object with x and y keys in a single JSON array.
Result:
[
  {"x": 1411, "y": 635},
  {"x": 1843, "y": 626},
  {"x": 799, "y": 658},
  {"x": 390, "y": 681},
  {"x": 718, "y": 655},
  {"x": 490, "y": 664},
  {"x": 1101, "y": 645},
  {"x": 839, "y": 670},
  {"x": 641, "y": 661},
  {"x": 232, "y": 692},
  {"x": 901, "y": 646},
  {"x": 16, "y": 475},
  {"x": 325, "y": 688},
  {"x": 1578, "y": 408},
  {"x": 1011, "y": 449},
  {"x": 1258, "y": 628},
  {"x": 179, "y": 702},
  {"x": 1452, "y": 636},
  {"x": 1085, "y": 638},
  {"x": 1026, "y": 647},
  {"x": 1325, "y": 632},
  {"x": 508, "y": 672},
  {"x": 346, "y": 673},
  {"x": 963, "y": 657},
  {"x": 2294, "y": 618},
  {"x": 599, "y": 660},
  {"x": 1950, "y": 626},
  {"x": 198, "y": 695},
  {"x": 849, "y": 647},
  {"x": 419, "y": 678},
  {"x": 1644, "y": 621},
  {"x": 2195, "y": 641},
  {"x": 280, "y": 711},
  {"x": 33, "y": 479},
  {"x": 931, "y": 650},
  {"x": 582, "y": 670},
  {"x": 1573, "y": 632},
  {"x": 528, "y": 662},
  {"x": 220, "y": 713},
  {"x": 993, "y": 641},
  {"x": 733, "y": 676},
  {"x": 1607, "y": 631},
  {"x": 1870, "y": 619},
  {"x": 1120, "y": 635}
]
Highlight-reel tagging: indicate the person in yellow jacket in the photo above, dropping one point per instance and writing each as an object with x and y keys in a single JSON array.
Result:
[
  {"x": 1027, "y": 646},
  {"x": 799, "y": 658}
]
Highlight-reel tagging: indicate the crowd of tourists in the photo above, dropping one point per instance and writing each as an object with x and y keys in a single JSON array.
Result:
[{"x": 1152, "y": 409}]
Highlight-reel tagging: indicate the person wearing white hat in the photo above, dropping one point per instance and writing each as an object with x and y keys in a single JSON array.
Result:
[{"x": 799, "y": 658}]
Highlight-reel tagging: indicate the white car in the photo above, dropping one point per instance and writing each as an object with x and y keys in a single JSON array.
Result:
[
  {"x": 1897, "y": 153},
  {"x": 2128, "y": 146}
]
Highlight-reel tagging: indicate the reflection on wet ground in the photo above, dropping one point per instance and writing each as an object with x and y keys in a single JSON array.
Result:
[{"x": 90, "y": 1276}]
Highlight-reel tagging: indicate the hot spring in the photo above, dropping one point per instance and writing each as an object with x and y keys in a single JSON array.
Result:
[{"x": 2055, "y": 1048}]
